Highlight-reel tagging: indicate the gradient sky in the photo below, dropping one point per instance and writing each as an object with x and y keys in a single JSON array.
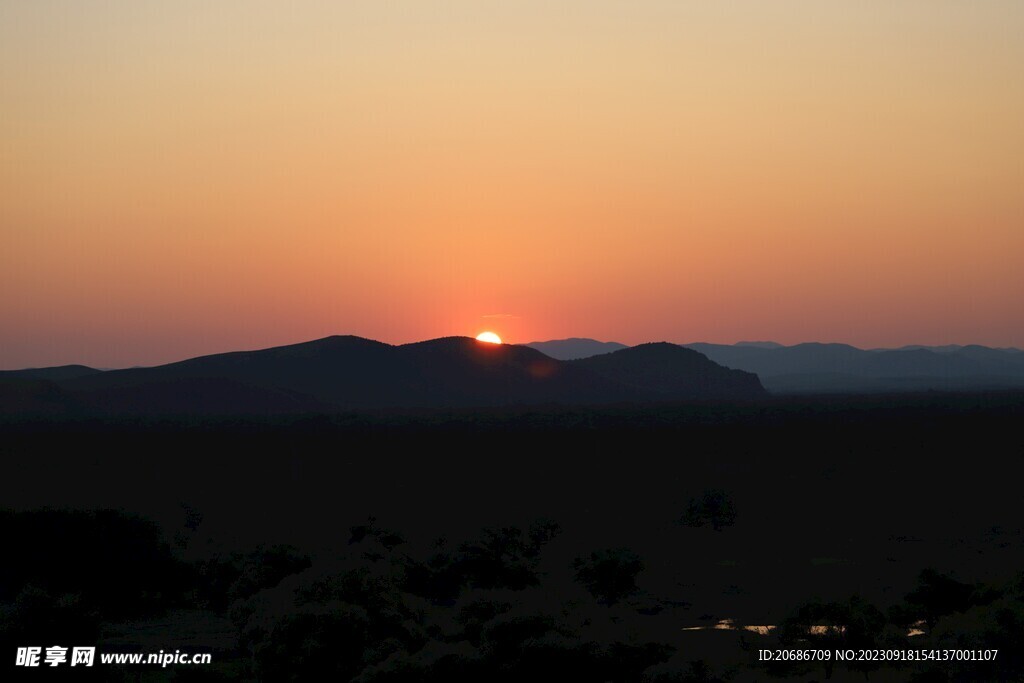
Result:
[{"x": 188, "y": 177}]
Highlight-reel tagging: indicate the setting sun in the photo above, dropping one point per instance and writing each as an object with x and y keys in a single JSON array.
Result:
[{"x": 488, "y": 337}]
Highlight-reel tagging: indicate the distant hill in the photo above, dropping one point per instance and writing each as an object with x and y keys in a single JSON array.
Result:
[
  {"x": 840, "y": 368},
  {"x": 760, "y": 344},
  {"x": 346, "y": 373},
  {"x": 575, "y": 348},
  {"x": 36, "y": 391},
  {"x": 673, "y": 372},
  {"x": 27, "y": 396},
  {"x": 54, "y": 374},
  {"x": 339, "y": 371}
]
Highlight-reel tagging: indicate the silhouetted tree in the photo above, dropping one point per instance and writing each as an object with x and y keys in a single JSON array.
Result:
[
  {"x": 505, "y": 557},
  {"x": 609, "y": 575},
  {"x": 935, "y": 596},
  {"x": 119, "y": 565},
  {"x": 998, "y": 624},
  {"x": 853, "y": 624},
  {"x": 38, "y": 618},
  {"x": 222, "y": 580},
  {"x": 386, "y": 537}
]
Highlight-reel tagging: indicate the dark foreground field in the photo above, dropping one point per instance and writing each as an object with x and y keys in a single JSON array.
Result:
[{"x": 498, "y": 546}]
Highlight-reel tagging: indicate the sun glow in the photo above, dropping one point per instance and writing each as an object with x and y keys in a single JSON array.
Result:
[{"x": 488, "y": 337}]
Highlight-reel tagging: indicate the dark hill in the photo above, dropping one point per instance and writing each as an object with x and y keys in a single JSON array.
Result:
[
  {"x": 334, "y": 372},
  {"x": 55, "y": 374},
  {"x": 352, "y": 373},
  {"x": 25, "y": 396},
  {"x": 463, "y": 371},
  {"x": 671, "y": 371}
]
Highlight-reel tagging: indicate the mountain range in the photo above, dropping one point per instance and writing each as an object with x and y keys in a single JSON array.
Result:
[
  {"x": 347, "y": 373},
  {"x": 841, "y": 368},
  {"x": 575, "y": 348}
]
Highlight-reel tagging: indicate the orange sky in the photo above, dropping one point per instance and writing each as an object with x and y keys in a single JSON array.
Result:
[{"x": 180, "y": 178}]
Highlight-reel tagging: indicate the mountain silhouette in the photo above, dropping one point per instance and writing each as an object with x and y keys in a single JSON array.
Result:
[
  {"x": 673, "y": 372},
  {"x": 575, "y": 348},
  {"x": 35, "y": 391},
  {"x": 349, "y": 373},
  {"x": 463, "y": 371},
  {"x": 55, "y": 374},
  {"x": 760, "y": 344},
  {"x": 841, "y": 368},
  {"x": 27, "y": 396},
  {"x": 815, "y": 367},
  {"x": 345, "y": 373}
]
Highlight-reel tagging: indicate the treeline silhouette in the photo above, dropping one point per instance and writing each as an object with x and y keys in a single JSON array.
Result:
[
  {"x": 504, "y": 544},
  {"x": 504, "y": 605}
]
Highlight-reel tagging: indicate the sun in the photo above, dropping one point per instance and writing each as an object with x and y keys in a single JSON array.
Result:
[{"x": 488, "y": 337}]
